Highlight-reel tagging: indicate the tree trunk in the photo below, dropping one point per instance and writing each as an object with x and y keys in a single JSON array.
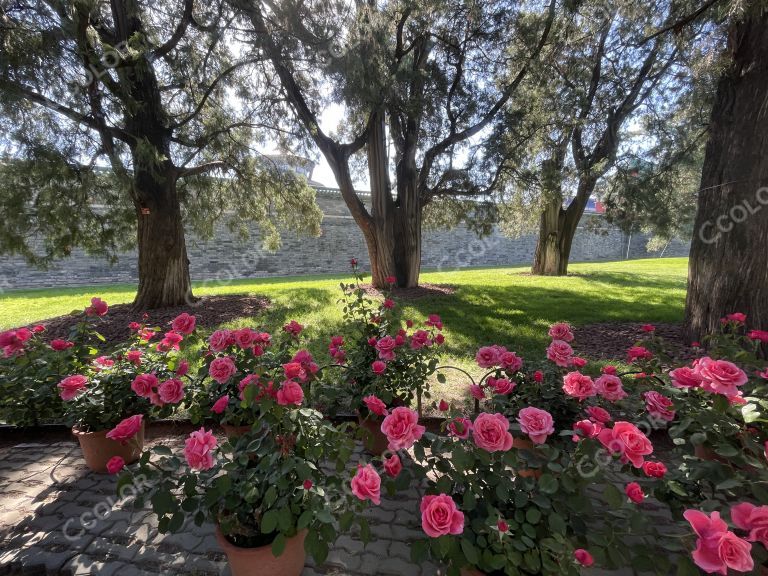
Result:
[
  {"x": 548, "y": 258},
  {"x": 163, "y": 264},
  {"x": 728, "y": 269}
]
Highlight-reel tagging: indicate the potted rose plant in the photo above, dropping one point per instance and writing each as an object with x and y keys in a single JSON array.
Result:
[{"x": 275, "y": 492}]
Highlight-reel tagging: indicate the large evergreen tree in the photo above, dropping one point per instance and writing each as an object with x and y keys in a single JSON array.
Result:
[
  {"x": 128, "y": 113},
  {"x": 421, "y": 84}
]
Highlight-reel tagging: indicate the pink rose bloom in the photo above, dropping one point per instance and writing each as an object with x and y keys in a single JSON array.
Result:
[
  {"x": 244, "y": 338},
  {"x": 434, "y": 320},
  {"x": 198, "y": 449},
  {"x": 538, "y": 376},
  {"x": 171, "y": 391},
  {"x": 460, "y": 427},
  {"x": 561, "y": 331},
  {"x": 654, "y": 469},
  {"x": 609, "y": 370},
  {"x": 144, "y": 384},
  {"x": 290, "y": 393},
  {"x": 126, "y": 429},
  {"x": 718, "y": 549},
  {"x": 760, "y": 335},
  {"x": 648, "y": 328},
  {"x": 375, "y": 405},
  {"x": 58, "y": 345},
  {"x": 560, "y": 352},
  {"x": 738, "y": 317},
  {"x": 72, "y": 386},
  {"x": 685, "y": 377},
  {"x": 476, "y": 392},
  {"x": 294, "y": 370},
  {"x": 12, "y": 341},
  {"x": 393, "y": 466},
  {"x": 133, "y": 356},
  {"x": 658, "y": 406},
  {"x": 304, "y": 358},
  {"x": 634, "y": 492},
  {"x": 219, "y": 340},
  {"x": 220, "y": 405},
  {"x": 222, "y": 369},
  {"x": 510, "y": 361},
  {"x": 578, "y": 362},
  {"x": 366, "y": 484},
  {"x": 402, "y": 428},
  {"x": 440, "y": 516},
  {"x": 720, "y": 376},
  {"x": 97, "y": 308},
  {"x": 587, "y": 428},
  {"x": 182, "y": 369},
  {"x": 307, "y": 484},
  {"x": 378, "y": 367},
  {"x": 293, "y": 328},
  {"x": 487, "y": 357},
  {"x": 390, "y": 279},
  {"x": 386, "y": 348},
  {"x": 104, "y": 362},
  {"x": 536, "y": 423},
  {"x": 501, "y": 385},
  {"x": 184, "y": 323},
  {"x": 597, "y": 414},
  {"x": 610, "y": 387},
  {"x": 578, "y": 385},
  {"x": 626, "y": 439},
  {"x": 443, "y": 406},
  {"x": 753, "y": 519},
  {"x": 420, "y": 339},
  {"x": 638, "y": 353},
  {"x": 115, "y": 464},
  {"x": 491, "y": 432},
  {"x": 583, "y": 557}
]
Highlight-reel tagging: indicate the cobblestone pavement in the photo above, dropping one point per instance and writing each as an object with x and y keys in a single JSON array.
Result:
[{"x": 45, "y": 489}]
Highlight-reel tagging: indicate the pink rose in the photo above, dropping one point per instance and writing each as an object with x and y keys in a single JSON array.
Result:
[
  {"x": 718, "y": 549},
  {"x": 597, "y": 414},
  {"x": 304, "y": 358},
  {"x": 578, "y": 385},
  {"x": 307, "y": 484},
  {"x": 760, "y": 335},
  {"x": 104, "y": 362},
  {"x": 184, "y": 323},
  {"x": 222, "y": 369},
  {"x": 402, "y": 428},
  {"x": 378, "y": 367},
  {"x": 487, "y": 357},
  {"x": 220, "y": 405},
  {"x": 609, "y": 370},
  {"x": 538, "y": 376},
  {"x": 72, "y": 386},
  {"x": 59, "y": 345},
  {"x": 654, "y": 469},
  {"x": 97, "y": 308},
  {"x": 460, "y": 427},
  {"x": 658, "y": 406},
  {"x": 634, "y": 492},
  {"x": 578, "y": 362},
  {"x": 435, "y": 321},
  {"x": 561, "y": 331},
  {"x": 476, "y": 392},
  {"x": 510, "y": 361},
  {"x": 560, "y": 352},
  {"x": 393, "y": 466},
  {"x": 366, "y": 484},
  {"x": 648, "y": 328},
  {"x": 638, "y": 353},
  {"x": 115, "y": 464},
  {"x": 290, "y": 393},
  {"x": 443, "y": 406},
  {"x": 133, "y": 356},
  {"x": 171, "y": 391},
  {"x": 738, "y": 317},
  {"x": 501, "y": 385},
  {"x": 244, "y": 338},
  {"x": 293, "y": 328},
  {"x": 390, "y": 279},
  {"x": 294, "y": 370},
  {"x": 536, "y": 423},
  {"x": 587, "y": 429},
  {"x": 420, "y": 339},
  {"x": 182, "y": 369},
  {"x": 609, "y": 387},
  {"x": 685, "y": 377},
  {"x": 626, "y": 439},
  {"x": 440, "y": 516},
  {"x": 583, "y": 557},
  {"x": 753, "y": 519},
  {"x": 198, "y": 449},
  {"x": 386, "y": 348},
  {"x": 126, "y": 429},
  {"x": 375, "y": 405},
  {"x": 491, "y": 432},
  {"x": 144, "y": 384},
  {"x": 219, "y": 340},
  {"x": 720, "y": 376}
]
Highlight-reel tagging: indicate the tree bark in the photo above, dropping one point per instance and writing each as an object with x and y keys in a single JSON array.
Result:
[{"x": 728, "y": 269}]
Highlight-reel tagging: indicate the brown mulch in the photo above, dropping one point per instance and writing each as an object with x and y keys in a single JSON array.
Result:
[
  {"x": 209, "y": 311},
  {"x": 422, "y": 291},
  {"x": 611, "y": 340}
]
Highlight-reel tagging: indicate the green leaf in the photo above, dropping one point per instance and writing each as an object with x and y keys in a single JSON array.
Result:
[
  {"x": 533, "y": 515},
  {"x": 163, "y": 503},
  {"x": 613, "y": 496},
  {"x": 278, "y": 546},
  {"x": 470, "y": 552},
  {"x": 269, "y": 522},
  {"x": 548, "y": 484}
]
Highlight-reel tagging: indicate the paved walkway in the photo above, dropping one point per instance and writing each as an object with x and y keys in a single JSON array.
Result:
[{"x": 58, "y": 518}]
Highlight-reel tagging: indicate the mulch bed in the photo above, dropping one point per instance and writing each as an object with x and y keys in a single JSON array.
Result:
[
  {"x": 422, "y": 291},
  {"x": 611, "y": 340},
  {"x": 210, "y": 311}
]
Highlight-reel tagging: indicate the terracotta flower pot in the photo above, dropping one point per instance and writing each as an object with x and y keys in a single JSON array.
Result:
[
  {"x": 375, "y": 441},
  {"x": 98, "y": 449},
  {"x": 525, "y": 444},
  {"x": 261, "y": 562},
  {"x": 471, "y": 572}
]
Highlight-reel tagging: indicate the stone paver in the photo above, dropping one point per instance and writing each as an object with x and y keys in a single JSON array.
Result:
[{"x": 58, "y": 518}]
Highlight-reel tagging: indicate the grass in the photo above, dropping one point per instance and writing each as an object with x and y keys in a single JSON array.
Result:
[{"x": 504, "y": 306}]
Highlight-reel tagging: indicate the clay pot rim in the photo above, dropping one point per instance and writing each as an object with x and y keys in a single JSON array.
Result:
[
  {"x": 76, "y": 431},
  {"x": 227, "y": 545}
]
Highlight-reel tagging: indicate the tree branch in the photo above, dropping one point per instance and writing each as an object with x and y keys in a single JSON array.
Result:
[
  {"x": 202, "y": 169},
  {"x": 178, "y": 34},
  {"x": 685, "y": 20}
]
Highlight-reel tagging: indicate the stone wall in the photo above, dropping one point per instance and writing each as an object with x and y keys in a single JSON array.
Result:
[{"x": 224, "y": 257}]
